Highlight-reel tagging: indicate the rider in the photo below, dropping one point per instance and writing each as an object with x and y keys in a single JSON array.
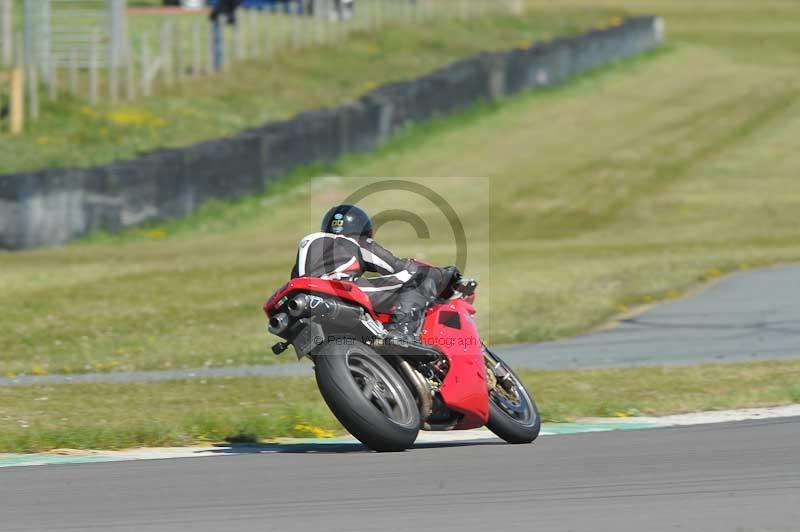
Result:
[{"x": 344, "y": 250}]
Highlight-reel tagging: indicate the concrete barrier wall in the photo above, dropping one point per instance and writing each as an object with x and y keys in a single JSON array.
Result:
[{"x": 52, "y": 206}]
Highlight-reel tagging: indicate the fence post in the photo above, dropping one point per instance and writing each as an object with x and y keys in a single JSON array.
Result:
[
  {"x": 144, "y": 65},
  {"x": 43, "y": 43},
  {"x": 368, "y": 8},
  {"x": 285, "y": 32},
  {"x": 27, "y": 60},
  {"x": 16, "y": 111},
  {"x": 196, "y": 58},
  {"x": 293, "y": 29},
  {"x": 216, "y": 33},
  {"x": 19, "y": 54},
  {"x": 113, "y": 83},
  {"x": 33, "y": 92},
  {"x": 314, "y": 21},
  {"x": 165, "y": 57},
  {"x": 180, "y": 60},
  {"x": 336, "y": 28},
  {"x": 267, "y": 34},
  {"x": 28, "y": 37},
  {"x": 73, "y": 72},
  {"x": 252, "y": 34},
  {"x": 228, "y": 45},
  {"x": 94, "y": 81},
  {"x": 118, "y": 41},
  {"x": 427, "y": 10},
  {"x": 52, "y": 86},
  {"x": 208, "y": 45},
  {"x": 130, "y": 74},
  {"x": 240, "y": 37},
  {"x": 374, "y": 15},
  {"x": 323, "y": 27},
  {"x": 6, "y": 31},
  {"x": 113, "y": 76}
]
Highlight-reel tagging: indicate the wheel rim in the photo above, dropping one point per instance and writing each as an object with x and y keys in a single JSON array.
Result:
[
  {"x": 512, "y": 399},
  {"x": 379, "y": 387}
]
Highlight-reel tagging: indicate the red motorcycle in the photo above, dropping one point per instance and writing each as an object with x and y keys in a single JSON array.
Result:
[{"x": 451, "y": 381}]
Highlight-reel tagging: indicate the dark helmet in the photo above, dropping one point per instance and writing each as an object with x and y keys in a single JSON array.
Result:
[{"x": 347, "y": 220}]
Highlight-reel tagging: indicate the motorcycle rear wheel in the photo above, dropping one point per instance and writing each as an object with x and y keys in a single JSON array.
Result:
[
  {"x": 368, "y": 397},
  {"x": 513, "y": 415}
]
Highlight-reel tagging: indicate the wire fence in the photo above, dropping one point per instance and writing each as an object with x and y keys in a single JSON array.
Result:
[
  {"x": 95, "y": 51},
  {"x": 52, "y": 205}
]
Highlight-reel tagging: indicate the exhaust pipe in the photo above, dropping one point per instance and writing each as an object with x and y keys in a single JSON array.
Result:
[
  {"x": 302, "y": 306},
  {"x": 298, "y": 306},
  {"x": 278, "y": 324},
  {"x": 422, "y": 388}
]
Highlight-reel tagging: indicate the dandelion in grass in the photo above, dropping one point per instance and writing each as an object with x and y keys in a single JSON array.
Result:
[
  {"x": 135, "y": 117},
  {"x": 317, "y": 432},
  {"x": 156, "y": 234}
]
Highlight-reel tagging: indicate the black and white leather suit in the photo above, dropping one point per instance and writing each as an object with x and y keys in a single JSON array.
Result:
[{"x": 404, "y": 287}]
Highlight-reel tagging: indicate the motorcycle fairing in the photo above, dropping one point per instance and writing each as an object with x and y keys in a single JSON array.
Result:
[{"x": 451, "y": 328}]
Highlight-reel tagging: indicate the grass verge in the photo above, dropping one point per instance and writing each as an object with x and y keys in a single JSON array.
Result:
[{"x": 100, "y": 416}]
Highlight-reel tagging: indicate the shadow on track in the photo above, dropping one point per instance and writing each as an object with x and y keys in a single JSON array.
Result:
[{"x": 327, "y": 448}]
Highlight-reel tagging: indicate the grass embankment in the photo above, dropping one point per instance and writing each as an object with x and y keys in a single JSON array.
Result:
[
  {"x": 96, "y": 416},
  {"x": 72, "y": 133},
  {"x": 621, "y": 188}
]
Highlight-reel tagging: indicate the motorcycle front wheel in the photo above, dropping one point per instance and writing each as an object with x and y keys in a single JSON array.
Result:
[
  {"x": 513, "y": 415},
  {"x": 368, "y": 397}
]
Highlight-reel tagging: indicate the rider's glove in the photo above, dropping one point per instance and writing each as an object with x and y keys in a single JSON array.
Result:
[{"x": 453, "y": 275}]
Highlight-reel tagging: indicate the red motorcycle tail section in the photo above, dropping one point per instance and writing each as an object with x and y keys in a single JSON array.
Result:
[
  {"x": 451, "y": 328},
  {"x": 342, "y": 289}
]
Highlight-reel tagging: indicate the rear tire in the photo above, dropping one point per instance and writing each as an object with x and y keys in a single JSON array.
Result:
[
  {"x": 367, "y": 396},
  {"x": 514, "y": 421}
]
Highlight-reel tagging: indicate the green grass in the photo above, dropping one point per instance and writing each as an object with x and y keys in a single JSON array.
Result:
[
  {"x": 109, "y": 416},
  {"x": 626, "y": 186},
  {"x": 72, "y": 133},
  {"x": 567, "y": 395}
]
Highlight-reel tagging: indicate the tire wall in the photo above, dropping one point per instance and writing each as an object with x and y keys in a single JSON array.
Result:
[{"x": 51, "y": 206}]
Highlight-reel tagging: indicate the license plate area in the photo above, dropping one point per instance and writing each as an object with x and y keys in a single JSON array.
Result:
[{"x": 309, "y": 337}]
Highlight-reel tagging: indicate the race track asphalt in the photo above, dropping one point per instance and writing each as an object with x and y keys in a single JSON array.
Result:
[
  {"x": 724, "y": 477},
  {"x": 748, "y": 316}
]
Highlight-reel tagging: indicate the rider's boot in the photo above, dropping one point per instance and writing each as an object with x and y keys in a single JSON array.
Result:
[
  {"x": 408, "y": 314},
  {"x": 405, "y": 324},
  {"x": 403, "y": 335}
]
